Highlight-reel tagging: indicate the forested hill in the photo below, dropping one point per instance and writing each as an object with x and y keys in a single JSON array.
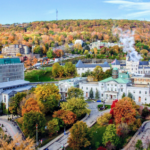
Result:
[{"x": 66, "y": 31}]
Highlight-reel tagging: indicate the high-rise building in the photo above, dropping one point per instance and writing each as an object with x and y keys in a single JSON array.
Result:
[{"x": 11, "y": 69}]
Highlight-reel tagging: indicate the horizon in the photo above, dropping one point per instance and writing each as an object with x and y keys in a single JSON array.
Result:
[{"x": 32, "y": 11}]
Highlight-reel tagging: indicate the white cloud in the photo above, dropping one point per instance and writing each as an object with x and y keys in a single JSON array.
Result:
[{"x": 141, "y": 8}]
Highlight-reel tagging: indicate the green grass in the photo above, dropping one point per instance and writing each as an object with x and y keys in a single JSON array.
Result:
[
  {"x": 42, "y": 75},
  {"x": 108, "y": 107}
]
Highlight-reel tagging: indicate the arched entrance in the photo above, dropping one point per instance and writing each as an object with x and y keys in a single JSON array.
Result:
[{"x": 139, "y": 98}]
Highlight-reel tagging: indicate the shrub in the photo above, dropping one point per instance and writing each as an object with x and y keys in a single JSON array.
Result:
[
  {"x": 20, "y": 120},
  {"x": 104, "y": 119}
]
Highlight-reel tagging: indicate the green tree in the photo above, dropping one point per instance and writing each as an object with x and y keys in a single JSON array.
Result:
[
  {"x": 123, "y": 95},
  {"x": 97, "y": 94},
  {"x": 110, "y": 135},
  {"x": 30, "y": 120},
  {"x": 49, "y": 53},
  {"x": 53, "y": 126},
  {"x": 79, "y": 136},
  {"x": 86, "y": 52},
  {"x": 69, "y": 69},
  {"x": 98, "y": 72},
  {"x": 130, "y": 95},
  {"x": 91, "y": 93},
  {"x": 48, "y": 97},
  {"x": 139, "y": 145},
  {"x": 15, "y": 102},
  {"x": 75, "y": 92},
  {"x": 145, "y": 112},
  {"x": 76, "y": 105},
  {"x": 55, "y": 69}
]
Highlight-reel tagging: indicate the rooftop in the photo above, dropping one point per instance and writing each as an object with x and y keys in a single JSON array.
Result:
[
  {"x": 13, "y": 83},
  {"x": 9, "y": 60},
  {"x": 140, "y": 85}
]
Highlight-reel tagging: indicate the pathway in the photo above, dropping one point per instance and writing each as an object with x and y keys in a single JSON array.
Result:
[{"x": 90, "y": 120}]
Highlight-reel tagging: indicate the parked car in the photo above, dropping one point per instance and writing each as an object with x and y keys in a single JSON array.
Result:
[{"x": 99, "y": 101}]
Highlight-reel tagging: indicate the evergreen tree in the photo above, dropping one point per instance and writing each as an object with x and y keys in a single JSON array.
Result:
[
  {"x": 130, "y": 95},
  {"x": 97, "y": 94},
  {"x": 91, "y": 93},
  {"x": 123, "y": 95}
]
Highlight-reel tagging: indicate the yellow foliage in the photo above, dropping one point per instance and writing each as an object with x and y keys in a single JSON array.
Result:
[
  {"x": 18, "y": 55},
  {"x": 1, "y": 56},
  {"x": 20, "y": 120}
]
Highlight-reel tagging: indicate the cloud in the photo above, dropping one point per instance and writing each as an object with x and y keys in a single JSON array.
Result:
[{"x": 139, "y": 7}]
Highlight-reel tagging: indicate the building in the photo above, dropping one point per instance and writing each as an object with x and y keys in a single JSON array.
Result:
[
  {"x": 12, "y": 50},
  {"x": 98, "y": 44},
  {"x": 78, "y": 41},
  {"x": 11, "y": 69},
  {"x": 114, "y": 87},
  {"x": 66, "y": 84},
  {"x": 9, "y": 89},
  {"x": 84, "y": 67}
]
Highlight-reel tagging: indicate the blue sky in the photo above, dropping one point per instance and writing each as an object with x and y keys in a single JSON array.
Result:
[{"x": 18, "y": 11}]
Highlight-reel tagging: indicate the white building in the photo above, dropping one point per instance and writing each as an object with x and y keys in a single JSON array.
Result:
[
  {"x": 9, "y": 89},
  {"x": 83, "y": 67},
  {"x": 66, "y": 84},
  {"x": 78, "y": 41},
  {"x": 113, "y": 88}
]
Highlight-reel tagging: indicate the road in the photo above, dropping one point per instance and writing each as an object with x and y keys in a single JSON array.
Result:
[
  {"x": 11, "y": 129},
  {"x": 92, "y": 117}
]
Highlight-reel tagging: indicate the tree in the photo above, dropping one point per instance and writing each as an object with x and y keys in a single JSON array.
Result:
[
  {"x": 110, "y": 135},
  {"x": 86, "y": 52},
  {"x": 53, "y": 126},
  {"x": 130, "y": 95},
  {"x": 15, "y": 102},
  {"x": 144, "y": 52},
  {"x": 6, "y": 144},
  {"x": 18, "y": 55},
  {"x": 30, "y": 120},
  {"x": 125, "y": 110},
  {"x": 98, "y": 72},
  {"x": 139, "y": 145},
  {"x": 55, "y": 70},
  {"x": 1, "y": 56},
  {"x": 79, "y": 136},
  {"x": 68, "y": 117},
  {"x": 97, "y": 94},
  {"x": 49, "y": 53},
  {"x": 69, "y": 69},
  {"x": 91, "y": 93},
  {"x": 123, "y": 129},
  {"x": 48, "y": 95},
  {"x": 31, "y": 104},
  {"x": 123, "y": 95},
  {"x": 104, "y": 119},
  {"x": 145, "y": 112},
  {"x": 76, "y": 105},
  {"x": 75, "y": 92}
]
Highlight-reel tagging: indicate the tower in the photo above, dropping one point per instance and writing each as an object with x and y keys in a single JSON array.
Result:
[
  {"x": 115, "y": 73},
  {"x": 56, "y": 14}
]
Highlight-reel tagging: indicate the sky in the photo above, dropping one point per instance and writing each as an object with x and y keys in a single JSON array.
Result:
[{"x": 19, "y": 11}]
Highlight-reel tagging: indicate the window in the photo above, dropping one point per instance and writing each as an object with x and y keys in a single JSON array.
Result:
[
  {"x": 115, "y": 84},
  {"x": 145, "y": 92},
  {"x": 78, "y": 68},
  {"x": 139, "y": 92},
  {"x": 102, "y": 95},
  {"x": 133, "y": 91},
  {"x": 107, "y": 84},
  {"x": 145, "y": 99},
  {"x": 82, "y": 68},
  {"x": 112, "y": 85},
  {"x": 5, "y": 98},
  {"x": 87, "y": 88}
]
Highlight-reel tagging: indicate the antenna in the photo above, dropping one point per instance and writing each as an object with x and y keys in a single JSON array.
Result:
[{"x": 56, "y": 14}]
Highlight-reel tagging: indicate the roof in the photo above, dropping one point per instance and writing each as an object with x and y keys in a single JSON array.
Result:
[
  {"x": 143, "y": 63},
  {"x": 144, "y": 67},
  {"x": 13, "y": 83},
  {"x": 115, "y": 62},
  {"x": 9, "y": 60},
  {"x": 20, "y": 89},
  {"x": 122, "y": 64},
  {"x": 80, "y": 64},
  {"x": 123, "y": 79}
]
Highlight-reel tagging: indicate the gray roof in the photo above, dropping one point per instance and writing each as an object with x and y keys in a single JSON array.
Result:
[
  {"x": 144, "y": 67},
  {"x": 122, "y": 64},
  {"x": 143, "y": 63},
  {"x": 13, "y": 83},
  {"x": 80, "y": 64},
  {"x": 20, "y": 89}
]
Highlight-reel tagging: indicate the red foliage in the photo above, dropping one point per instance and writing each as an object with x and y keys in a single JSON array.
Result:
[
  {"x": 58, "y": 52},
  {"x": 101, "y": 148},
  {"x": 112, "y": 106},
  {"x": 110, "y": 121}
]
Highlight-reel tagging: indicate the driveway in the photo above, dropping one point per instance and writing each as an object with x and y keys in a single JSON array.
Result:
[{"x": 92, "y": 117}]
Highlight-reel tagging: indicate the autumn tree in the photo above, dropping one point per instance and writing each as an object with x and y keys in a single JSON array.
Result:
[
  {"x": 76, "y": 105},
  {"x": 75, "y": 92},
  {"x": 98, "y": 72},
  {"x": 104, "y": 119},
  {"x": 122, "y": 129},
  {"x": 31, "y": 104},
  {"x": 18, "y": 55},
  {"x": 15, "y": 102},
  {"x": 48, "y": 95},
  {"x": 67, "y": 116},
  {"x": 69, "y": 69},
  {"x": 79, "y": 136},
  {"x": 49, "y": 53},
  {"x": 86, "y": 52},
  {"x": 124, "y": 109},
  {"x": 53, "y": 126},
  {"x": 110, "y": 135},
  {"x": 57, "y": 70},
  {"x": 30, "y": 120},
  {"x": 26, "y": 144}
]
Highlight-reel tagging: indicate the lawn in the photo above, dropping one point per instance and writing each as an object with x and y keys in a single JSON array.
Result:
[
  {"x": 39, "y": 75},
  {"x": 107, "y": 107}
]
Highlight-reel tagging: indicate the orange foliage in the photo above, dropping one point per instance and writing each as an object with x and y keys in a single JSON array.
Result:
[
  {"x": 124, "y": 111},
  {"x": 58, "y": 52},
  {"x": 31, "y": 104}
]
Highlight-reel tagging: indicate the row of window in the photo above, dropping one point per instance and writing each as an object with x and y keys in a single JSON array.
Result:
[{"x": 139, "y": 92}]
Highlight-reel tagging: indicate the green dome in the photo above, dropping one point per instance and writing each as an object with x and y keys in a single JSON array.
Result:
[{"x": 115, "y": 68}]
